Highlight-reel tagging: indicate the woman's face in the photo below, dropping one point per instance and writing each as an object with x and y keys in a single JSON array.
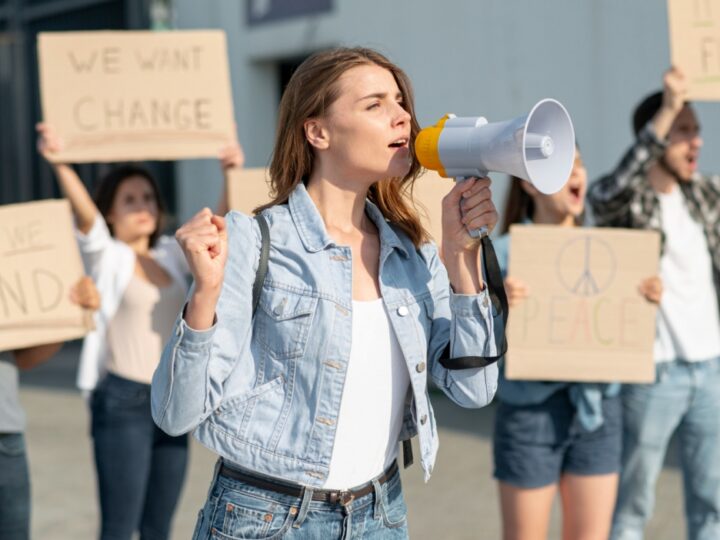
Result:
[
  {"x": 570, "y": 200},
  {"x": 134, "y": 213},
  {"x": 367, "y": 129}
]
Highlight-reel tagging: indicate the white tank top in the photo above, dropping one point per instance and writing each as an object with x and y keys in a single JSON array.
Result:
[
  {"x": 141, "y": 326},
  {"x": 688, "y": 324},
  {"x": 372, "y": 406}
]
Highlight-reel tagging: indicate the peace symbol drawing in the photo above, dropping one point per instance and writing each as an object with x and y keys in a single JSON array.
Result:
[{"x": 586, "y": 266}]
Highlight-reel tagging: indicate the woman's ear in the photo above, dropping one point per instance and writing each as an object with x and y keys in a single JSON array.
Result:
[{"x": 316, "y": 134}]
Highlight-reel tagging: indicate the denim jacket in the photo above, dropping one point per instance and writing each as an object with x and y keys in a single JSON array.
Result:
[{"x": 264, "y": 391}]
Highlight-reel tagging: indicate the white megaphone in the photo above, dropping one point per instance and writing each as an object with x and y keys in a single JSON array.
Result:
[{"x": 538, "y": 147}]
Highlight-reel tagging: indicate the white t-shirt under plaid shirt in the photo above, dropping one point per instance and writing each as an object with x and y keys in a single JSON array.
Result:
[{"x": 688, "y": 321}]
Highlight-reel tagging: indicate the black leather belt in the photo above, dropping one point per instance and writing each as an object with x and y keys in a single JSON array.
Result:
[{"x": 344, "y": 497}]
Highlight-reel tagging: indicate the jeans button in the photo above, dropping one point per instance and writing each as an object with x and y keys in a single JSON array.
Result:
[
  {"x": 423, "y": 420},
  {"x": 403, "y": 311},
  {"x": 420, "y": 367}
]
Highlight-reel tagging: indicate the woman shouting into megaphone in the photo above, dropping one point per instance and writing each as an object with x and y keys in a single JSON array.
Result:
[{"x": 306, "y": 387}]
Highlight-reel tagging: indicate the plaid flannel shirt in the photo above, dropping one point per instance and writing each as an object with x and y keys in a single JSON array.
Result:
[{"x": 624, "y": 198}]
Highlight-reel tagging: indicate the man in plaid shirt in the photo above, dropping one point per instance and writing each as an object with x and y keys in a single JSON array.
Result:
[{"x": 657, "y": 186}]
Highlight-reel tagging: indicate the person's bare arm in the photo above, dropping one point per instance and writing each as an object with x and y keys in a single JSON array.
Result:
[
  {"x": 33, "y": 356},
  {"x": 203, "y": 239},
  {"x": 461, "y": 252},
  {"x": 70, "y": 183},
  {"x": 675, "y": 90},
  {"x": 231, "y": 157}
]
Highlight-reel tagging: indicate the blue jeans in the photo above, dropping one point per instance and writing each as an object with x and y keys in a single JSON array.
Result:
[
  {"x": 14, "y": 488},
  {"x": 140, "y": 469},
  {"x": 236, "y": 510},
  {"x": 685, "y": 398}
]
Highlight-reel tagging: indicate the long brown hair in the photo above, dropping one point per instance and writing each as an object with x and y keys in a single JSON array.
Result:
[
  {"x": 519, "y": 206},
  {"x": 312, "y": 89}
]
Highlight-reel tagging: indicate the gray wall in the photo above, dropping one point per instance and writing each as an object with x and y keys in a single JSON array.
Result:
[{"x": 494, "y": 58}]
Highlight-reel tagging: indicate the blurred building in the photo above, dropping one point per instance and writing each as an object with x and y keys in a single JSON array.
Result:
[
  {"x": 24, "y": 175},
  {"x": 494, "y": 58}
]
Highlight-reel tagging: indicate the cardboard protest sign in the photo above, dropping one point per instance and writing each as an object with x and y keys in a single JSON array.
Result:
[
  {"x": 249, "y": 188},
  {"x": 695, "y": 45},
  {"x": 584, "y": 319},
  {"x": 122, "y": 96},
  {"x": 40, "y": 263}
]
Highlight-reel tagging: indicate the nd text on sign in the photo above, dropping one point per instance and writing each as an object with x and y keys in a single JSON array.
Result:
[
  {"x": 40, "y": 263},
  {"x": 121, "y": 96},
  {"x": 584, "y": 319}
]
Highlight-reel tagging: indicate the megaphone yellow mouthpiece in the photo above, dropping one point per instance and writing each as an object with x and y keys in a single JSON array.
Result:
[{"x": 427, "y": 146}]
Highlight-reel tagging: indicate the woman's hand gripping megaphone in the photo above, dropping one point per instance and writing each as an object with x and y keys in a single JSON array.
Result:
[
  {"x": 468, "y": 212},
  {"x": 473, "y": 221}
]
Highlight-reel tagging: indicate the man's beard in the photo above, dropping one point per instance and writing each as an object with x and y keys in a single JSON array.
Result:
[{"x": 665, "y": 166}]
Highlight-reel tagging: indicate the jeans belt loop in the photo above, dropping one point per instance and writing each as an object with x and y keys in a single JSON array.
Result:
[
  {"x": 304, "y": 507},
  {"x": 216, "y": 473},
  {"x": 378, "y": 500}
]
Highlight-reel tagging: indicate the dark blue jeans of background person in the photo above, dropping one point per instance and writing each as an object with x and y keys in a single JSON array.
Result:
[
  {"x": 140, "y": 469},
  {"x": 14, "y": 488}
]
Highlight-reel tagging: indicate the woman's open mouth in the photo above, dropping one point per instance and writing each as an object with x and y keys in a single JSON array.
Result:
[{"x": 400, "y": 143}]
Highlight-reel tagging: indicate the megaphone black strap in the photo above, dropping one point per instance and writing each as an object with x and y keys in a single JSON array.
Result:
[{"x": 494, "y": 282}]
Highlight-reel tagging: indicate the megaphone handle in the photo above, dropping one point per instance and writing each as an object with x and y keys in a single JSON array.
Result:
[{"x": 475, "y": 233}]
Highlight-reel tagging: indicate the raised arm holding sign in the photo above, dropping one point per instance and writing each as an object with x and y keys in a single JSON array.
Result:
[
  {"x": 657, "y": 186},
  {"x": 142, "y": 277}
]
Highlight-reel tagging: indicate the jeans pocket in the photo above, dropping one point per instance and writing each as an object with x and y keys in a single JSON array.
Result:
[
  {"x": 12, "y": 445},
  {"x": 394, "y": 510},
  {"x": 246, "y": 516},
  {"x": 534, "y": 425}
]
